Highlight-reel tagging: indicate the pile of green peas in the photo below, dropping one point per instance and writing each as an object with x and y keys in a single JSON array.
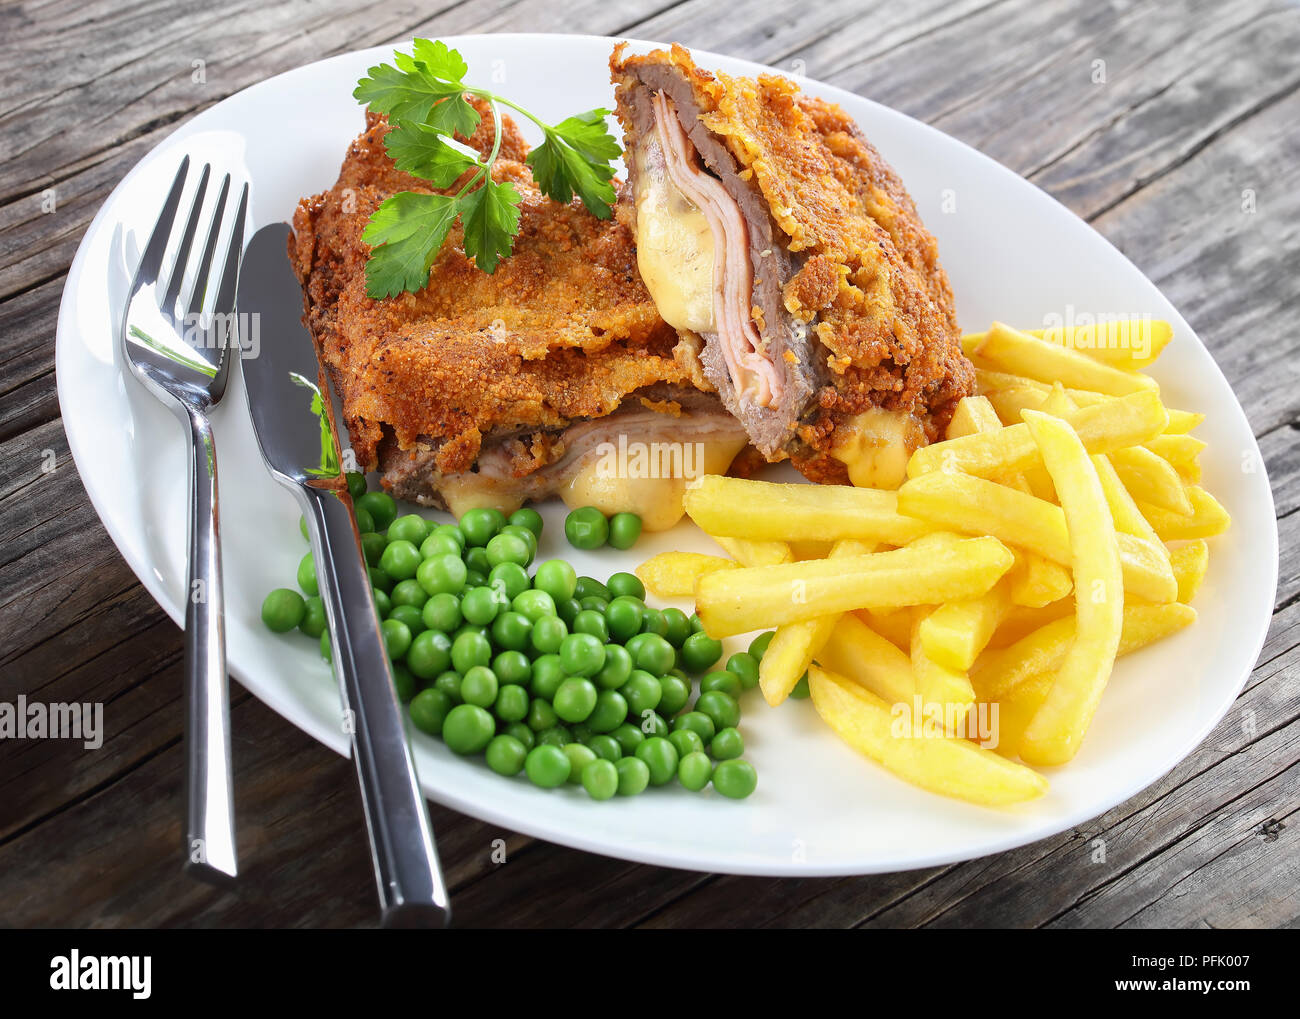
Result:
[{"x": 562, "y": 678}]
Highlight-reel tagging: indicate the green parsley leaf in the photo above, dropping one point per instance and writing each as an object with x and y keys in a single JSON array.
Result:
[
  {"x": 425, "y": 87},
  {"x": 491, "y": 218},
  {"x": 405, "y": 233},
  {"x": 421, "y": 150},
  {"x": 562, "y": 170},
  {"x": 329, "y": 456}
]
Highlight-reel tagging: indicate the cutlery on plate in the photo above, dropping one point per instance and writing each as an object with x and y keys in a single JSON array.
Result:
[
  {"x": 176, "y": 335},
  {"x": 279, "y": 364}
]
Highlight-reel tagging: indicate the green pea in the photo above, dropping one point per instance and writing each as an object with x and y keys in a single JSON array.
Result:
[
  {"x": 511, "y": 704},
  {"x": 548, "y": 674},
  {"x": 403, "y": 682},
  {"x": 624, "y": 530},
  {"x": 593, "y": 603},
  {"x": 801, "y": 691},
  {"x": 507, "y": 548},
  {"x": 522, "y": 733},
  {"x": 652, "y": 653},
  {"x": 467, "y": 729},
  {"x": 727, "y": 682},
  {"x": 440, "y": 543},
  {"x": 412, "y": 527},
  {"x": 480, "y": 605},
  {"x": 694, "y": 770},
  {"x": 409, "y": 615},
  {"x": 401, "y": 559},
  {"x": 365, "y": 522},
  {"x": 453, "y": 532},
  {"x": 428, "y": 710},
  {"x": 379, "y": 579},
  {"x": 356, "y": 483},
  {"x": 510, "y": 579},
  {"x": 283, "y": 609},
  {"x": 744, "y": 665},
  {"x": 534, "y": 604},
  {"x": 675, "y": 693},
  {"x": 586, "y": 528},
  {"x": 505, "y": 755},
  {"x": 697, "y": 626},
  {"x": 642, "y": 692},
  {"x": 480, "y": 526},
  {"x": 568, "y": 609},
  {"x": 590, "y": 587},
  {"x": 685, "y": 741},
  {"x": 541, "y": 716},
  {"x": 475, "y": 578},
  {"x": 625, "y": 584},
  {"x": 700, "y": 652},
  {"x": 325, "y": 647},
  {"x": 302, "y": 528},
  {"x": 582, "y": 654},
  {"x": 629, "y": 737},
  {"x": 383, "y": 604},
  {"x": 548, "y": 634},
  {"x": 307, "y": 575},
  {"x": 557, "y": 735},
  {"x": 679, "y": 627},
  {"x": 527, "y": 517},
  {"x": 557, "y": 578},
  {"x": 660, "y": 758},
  {"x": 479, "y": 686},
  {"x": 600, "y": 778},
  {"x": 372, "y": 547},
  {"x": 313, "y": 620},
  {"x": 579, "y": 757},
  {"x": 397, "y": 637},
  {"x": 609, "y": 712},
  {"x": 759, "y": 644},
  {"x": 429, "y": 654},
  {"x": 735, "y": 779},
  {"x": 728, "y": 743},
  {"x": 380, "y": 506},
  {"x": 605, "y": 746},
  {"x": 699, "y": 723},
  {"x": 633, "y": 776},
  {"x": 593, "y": 623},
  {"x": 409, "y": 592},
  {"x": 547, "y": 766},
  {"x": 653, "y": 723},
  {"x": 722, "y": 708},
  {"x": 442, "y": 612},
  {"x": 524, "y": 535},
  {"x": 513, "y": 667},
  {"x": 468, "y": 650},
  {"x": 448, "y": 682},
  {"x": 617, "y": 668},
  {"x": 575, "y": 699},
  {"x": 623, "y": 617},
  {"x": 512, "y": 631},
  {"x": 652, "y": 621}
]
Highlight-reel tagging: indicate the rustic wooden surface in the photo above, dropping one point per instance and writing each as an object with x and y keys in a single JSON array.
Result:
[{"x": 1199, "y": 104}]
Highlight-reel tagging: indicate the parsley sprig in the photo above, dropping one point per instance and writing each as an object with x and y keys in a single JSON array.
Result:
[{"x": 424, "y": 95}]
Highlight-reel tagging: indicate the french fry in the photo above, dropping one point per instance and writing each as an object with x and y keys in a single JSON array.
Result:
[
  {"x": 1179, "y": 450},
  {"x": 976, "y": 506},
  {"x": 1035, "y": 581},
  {"x": 737, "y": 601},
  {"x": 1207, "y": 518},
  {"x": 674, "y": 574},
  {"x": 1023, "y": 354},
  {"x": 1102, "y": 427},
  {"x": 1057, "y": 730},
  {"x": 1182, "y": 421},
  {"x": 954, "y": 634},
  {"x": 895, "y": 625},
  {"x": 793, "y": 646},
  {"x": 937, "y": 684},
  {"x": 1020, "y": 621},
  {"x": 768, "y": 511},
  {"x": 810, "y": 549},
  {"x": 1009, "y": 403},
  {"x": 858, "y": 652},
  {"x": 1130, "y": 344},
  {"x": 951, "y": 767},
  {"x": 1001, "y": 671},
  {"x": 1123, "y": 510},
  {"x": 1150, "y": 478},
  {"x": 1058, "y": 402},
  {"x": 755, "y": 553},
  {"x": 973, "y": 414},
  {"x": 1190, "y": 563},
  {"x": 1017, "y": 710}
]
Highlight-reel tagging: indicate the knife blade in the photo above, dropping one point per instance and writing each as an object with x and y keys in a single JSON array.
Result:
[{"x": 411, "y": 888}]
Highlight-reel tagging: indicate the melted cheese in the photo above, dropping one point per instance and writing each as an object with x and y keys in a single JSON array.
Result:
[
  {"x": 470, "y": 491},
  {"x": 674, "y": 246},
  {"x": 876, "y": 445},
  {"x": 658, "y": 501}
]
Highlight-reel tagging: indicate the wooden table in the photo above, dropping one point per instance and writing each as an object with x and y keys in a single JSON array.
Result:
[{"x": 1186, "y": 156}]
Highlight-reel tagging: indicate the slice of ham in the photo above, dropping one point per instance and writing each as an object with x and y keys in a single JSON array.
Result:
[{"x": 755, "y": 377}]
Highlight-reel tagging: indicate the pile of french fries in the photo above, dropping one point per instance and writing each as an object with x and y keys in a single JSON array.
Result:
[{"x": 961, "y": 630}]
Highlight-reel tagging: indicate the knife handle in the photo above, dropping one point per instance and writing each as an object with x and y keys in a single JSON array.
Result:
[
  {"x": 411, "y": 889},
  {"x": 209, "y": 798}
]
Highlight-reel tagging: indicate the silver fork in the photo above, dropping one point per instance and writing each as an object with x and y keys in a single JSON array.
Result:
[{"x": 179, "y": 350}]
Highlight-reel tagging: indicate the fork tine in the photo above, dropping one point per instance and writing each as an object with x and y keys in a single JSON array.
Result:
[
  {"x": 168, "y": 303},
  {"x": 226, "y": 288},
  {"x": 151, "y": 260},
  {"x": 209, "y": 248}
]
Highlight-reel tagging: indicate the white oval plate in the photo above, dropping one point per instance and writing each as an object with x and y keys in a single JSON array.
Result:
[{"x": 1013, "y": 254}]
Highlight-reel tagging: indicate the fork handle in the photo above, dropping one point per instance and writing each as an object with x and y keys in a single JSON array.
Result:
[
  {"x": 411, "y": 889},
  {"x": 209, "y": 808}
]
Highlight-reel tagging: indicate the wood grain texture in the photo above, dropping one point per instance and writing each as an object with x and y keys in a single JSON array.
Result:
[{"x": 1179, "y": 146}]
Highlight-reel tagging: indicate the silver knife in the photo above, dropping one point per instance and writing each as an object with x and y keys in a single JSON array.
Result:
[{"x": 411, "y": 889}]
